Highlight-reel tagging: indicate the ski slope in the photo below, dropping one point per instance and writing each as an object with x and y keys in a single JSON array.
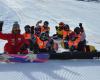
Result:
[
  {"x": 52, "y": 70},
  {"x": 69, "y": 11}
]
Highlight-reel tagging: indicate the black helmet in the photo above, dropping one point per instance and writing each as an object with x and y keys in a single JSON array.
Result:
[
  {"x": 66, "y": 27},
  {"x": 27, "y": 29},
  {"x": 46, "y": 23},
  {"x": 77, "y": 30},
  {"x": 27, "y": 26}
]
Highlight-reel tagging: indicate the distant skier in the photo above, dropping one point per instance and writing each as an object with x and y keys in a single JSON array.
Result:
[{"x": 15, "y": 40}]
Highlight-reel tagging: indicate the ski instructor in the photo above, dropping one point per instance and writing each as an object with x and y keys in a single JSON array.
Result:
[{"x": 15, "y": 39}]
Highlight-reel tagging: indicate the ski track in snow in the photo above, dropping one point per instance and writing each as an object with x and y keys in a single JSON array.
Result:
[
  {"x": 69, "y": 11},
  {"x": 52, "y": 70}
]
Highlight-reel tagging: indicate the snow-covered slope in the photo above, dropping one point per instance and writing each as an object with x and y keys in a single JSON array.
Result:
[
  {"x": 71, "y": 12},
  {"x": 52, "y": 70}
]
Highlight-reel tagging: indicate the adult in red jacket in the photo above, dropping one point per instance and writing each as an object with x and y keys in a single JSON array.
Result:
[{"x": 15, "y": 40}]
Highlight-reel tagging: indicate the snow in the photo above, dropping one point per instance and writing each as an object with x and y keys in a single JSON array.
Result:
[
  {"x": 52, "y": 70},
  {"x": 71, "y": 12}
]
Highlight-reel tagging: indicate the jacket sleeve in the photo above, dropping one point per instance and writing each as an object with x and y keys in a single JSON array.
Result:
[{"x": 4, "y": 36}]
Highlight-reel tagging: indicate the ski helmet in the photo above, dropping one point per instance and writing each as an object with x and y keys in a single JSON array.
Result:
[
  {"x": 27, "y": 28},
  {"x": 46, "y": 23},
  {"x": 77, "y": 30},
  {"x": 66, "y": 27}
]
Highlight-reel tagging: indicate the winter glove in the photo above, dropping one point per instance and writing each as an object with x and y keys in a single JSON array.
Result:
[
  {"x": 81, "y": 27},
  {"x": 56, "y": 27},
  {"x": 80, "y": 24},
  {"x": 37, "y": 24},
  {"x": 1, "y": 24}
]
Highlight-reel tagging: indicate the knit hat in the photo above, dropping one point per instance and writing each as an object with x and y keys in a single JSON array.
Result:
[{"x": 16, "y": 25}]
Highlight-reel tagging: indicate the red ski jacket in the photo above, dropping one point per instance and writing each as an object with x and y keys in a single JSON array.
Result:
[{"x": 14, "y": 43}]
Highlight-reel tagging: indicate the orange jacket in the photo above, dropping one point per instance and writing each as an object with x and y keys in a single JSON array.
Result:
[
  {"x": 41, "y": 44},
  {"x": 76, "y": 42},
  {"x": 27, "y": 35},
  {"x": 66, "y": 33}
]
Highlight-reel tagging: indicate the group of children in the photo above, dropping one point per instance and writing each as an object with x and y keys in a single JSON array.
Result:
[
  {"x": 73, "y": 40},
  {"x": 37, "y": 39}
]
